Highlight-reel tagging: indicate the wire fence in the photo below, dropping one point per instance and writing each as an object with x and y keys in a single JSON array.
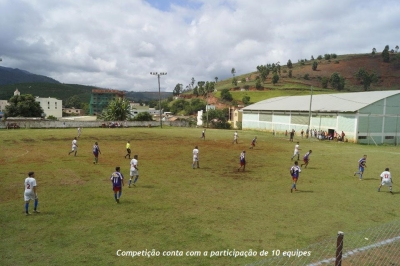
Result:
[{"x": 374, "y": 246}]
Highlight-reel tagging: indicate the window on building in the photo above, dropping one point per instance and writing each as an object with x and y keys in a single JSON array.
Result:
[
  {"x": 389, "y": 137},
  {"x": 362, "y": 137}
]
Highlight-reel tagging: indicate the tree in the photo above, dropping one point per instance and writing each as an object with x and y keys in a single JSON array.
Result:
[
  {"x": 217, "y": 118},
  {"x": 177, "y": 90},
  {"x": 216, "y": 79},
  {"x": 366, "y": 78},
  {"x": 319, "y": 57},
  {"x": 264, "y": 72},
  {"x": 275, "y": 79},
  {"x": 373, "y": 51},
  {"x": 290, "y": 73},
  {"x": 233, "y": 71},
  {"x": 23, "y": 106},
  {"x": 226, "y": 95},
  {"x": 312, "y": 57},
  {"x": 289, "y": 64},
  {"x": 201, "y": 89},
  {"x": 337, "y": 81},
  {"x": 196, "y": 91},
  {"x": 397, "y": 48},
  {"x": 234, "y": 81},
  {"x": 258, "y": 84},
  {"x": 385, "y": 54},
  {"x": 324, "y": 82},
  {"x": 314, "y": 65},
  {"x": 192, "y": 82},
  {"x": 179, "y": 106},
  {"x": 73, "y": 102},
  {"x": 118, "y": 109},
  {"x": 243, "y": 80},
  {"x": 327, "y": 56},
  {"x": 246, "y": 99},
  {"x": 143, "y": 116},
  {"x": 210, "y": 86}
]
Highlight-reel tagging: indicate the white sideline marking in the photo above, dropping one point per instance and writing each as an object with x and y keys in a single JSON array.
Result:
[{"x": 357, "y": 250}]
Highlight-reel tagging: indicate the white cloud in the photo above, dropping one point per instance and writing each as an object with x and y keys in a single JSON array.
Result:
[{"x": 117, "y": 44}]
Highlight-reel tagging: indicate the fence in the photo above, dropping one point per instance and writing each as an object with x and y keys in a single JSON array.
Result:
[
  {"x": 373, "y": 246},
  {"x": 88, "y": 124}
]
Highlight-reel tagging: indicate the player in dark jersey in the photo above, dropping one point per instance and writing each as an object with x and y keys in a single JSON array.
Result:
[
  {"x": 117, "y": 180},
  {"x": 306, "y": 159},
  {"x": 295, "y": 173},
  {"x": 362, "y": 163}
]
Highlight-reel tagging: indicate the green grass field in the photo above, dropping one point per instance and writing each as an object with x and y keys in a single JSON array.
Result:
[{"x": 176, "y": 208}]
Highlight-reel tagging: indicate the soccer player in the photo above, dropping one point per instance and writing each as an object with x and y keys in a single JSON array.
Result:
[
  {"x": 306, "y": 159},
  {"x": 203, "y": 134},
  {"x": 117, "y": 180},
  {"x": 235, "y": 137},
  {"x": 134, "y": 172},
  {"x": 30, "y": 193},
  {"x": 362, "y": 163},
  {"x": 253, "y": 143},
  {"x": 386, "y": 179},
  {"x": 96, "y": 151},
  {"x": 79, "y": 132},
  {"x": 296, "y": 151},
  {"x": 291, "y": 135},
  {"x": 195, "y": 157},
  {"x": 295, "y": 173},
  {"x": 74, "y": 147},
  {"x": 128, "y": 149},
  {"x": 242, "y": 160}
]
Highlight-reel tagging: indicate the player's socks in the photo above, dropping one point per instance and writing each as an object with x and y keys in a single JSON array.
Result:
[
  {"x": 136, "y": 178},
  {"x": 115, "y": 196},
  {"x": 119, "y": 194},
  {"x": 36, "y": 204},
  {"x": 26, "y": 207}
]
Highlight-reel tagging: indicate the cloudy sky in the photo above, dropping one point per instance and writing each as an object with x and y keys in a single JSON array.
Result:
[{"x": 116, "y": 44}]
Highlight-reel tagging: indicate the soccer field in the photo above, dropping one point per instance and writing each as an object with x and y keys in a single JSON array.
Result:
[{"x": 190, "y": 216}]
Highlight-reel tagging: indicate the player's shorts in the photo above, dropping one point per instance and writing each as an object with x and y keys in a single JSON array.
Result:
[
  {"x": 134, "y": 172},
  {"x": 295, "y": 178},
  {"x": 74, "y": 148},
  {"x": 386, "y": 182},
  {"x": 128, "y": 150},
  {"x": 242, "y": 162},
  {"x": 195, "y": 158},
  {"x": 117, "y": 189},
  {"x": 253, "y": 144},
  {"x": 306, "y": 160},
  {"x": 96, "y": 154},
  {"x": 361, "y": 169},
  {"x": 29, "y": 196},
  {"x": 296, "y": 153}
]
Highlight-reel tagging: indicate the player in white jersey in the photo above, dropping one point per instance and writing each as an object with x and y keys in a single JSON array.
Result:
[
  {"x": 195, "y": 157},
  {"x": 30, "y": 193},
  {"x": 74, "y": 147},
  {"x": 134, "y": 171},
  {"x": 235, "y": 138},
  {"x": 386, "y": 180},
  {"x": 296, "y": 151}
]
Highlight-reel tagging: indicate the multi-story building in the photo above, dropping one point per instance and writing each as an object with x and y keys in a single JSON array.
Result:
[
  {"x": 3, "y": 104},
  {"x": 100, "y": 99},
  {"x": 50, "y": 106}
]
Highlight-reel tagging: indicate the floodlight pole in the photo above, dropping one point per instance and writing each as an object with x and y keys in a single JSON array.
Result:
[
  {"x": 159, "y": 92},
  {"x": 309, "y": 112}
]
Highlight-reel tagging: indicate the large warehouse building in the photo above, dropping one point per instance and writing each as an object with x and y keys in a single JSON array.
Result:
[{"x": 365, "y": 117}]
